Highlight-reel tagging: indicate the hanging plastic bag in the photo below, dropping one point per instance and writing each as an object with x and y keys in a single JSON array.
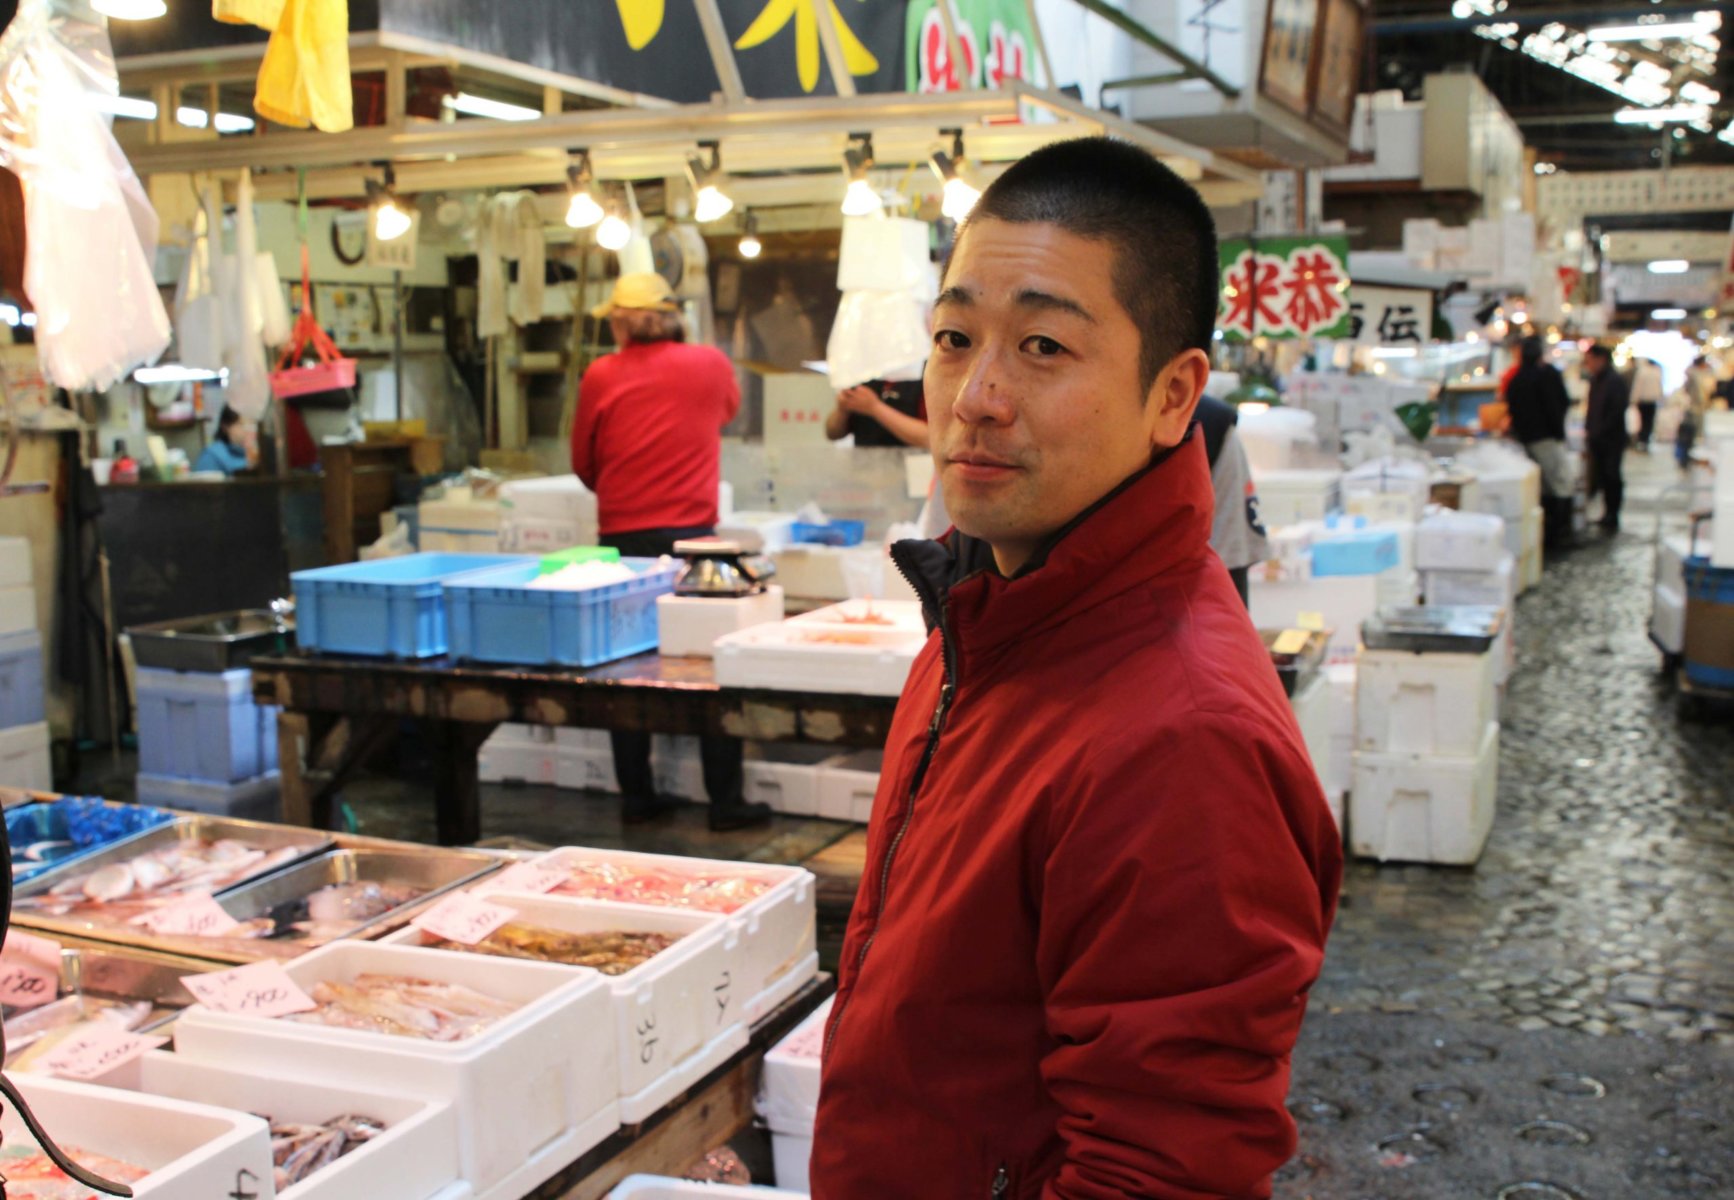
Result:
[
  {"x": 304, "y": 78},
  {"x": 92, "y": 232},
  {"x": 876, "y": 335},
  {"x": 273, "y": 301},
  {"x": 263, "y": 13},
  {"x": 249, "y": 389},
  {"x": 199, "y": 334}
]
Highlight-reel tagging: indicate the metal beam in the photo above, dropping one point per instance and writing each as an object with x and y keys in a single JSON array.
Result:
[
  {"x": 1143, "y": 33},
  {"x": 722, "y": 54},
  {"x": 953, "y": 44},
  {"x": 1048, "y": 79},
  {"x": 832, "y": 45}
]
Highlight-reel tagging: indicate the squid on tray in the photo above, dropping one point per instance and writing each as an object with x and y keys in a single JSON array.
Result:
[
  {"x": 121, "y": 891},
  {"x": 396, "y": 1004}
]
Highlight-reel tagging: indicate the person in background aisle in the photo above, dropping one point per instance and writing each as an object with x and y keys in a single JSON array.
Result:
[
  {"x": 227, "y": 452},
  {"x": 1700, "y": 389},
  {"x": 1647, "y": 395},
  {"x": 648, "y": 441},
  {"x": 1537, "y": 401},
  {"x": 1235, "y": 534},
  {"x": 1605, "y": 432},
  {"x": 1100, "y": 869},
  {"x": 880, "y": 413}
]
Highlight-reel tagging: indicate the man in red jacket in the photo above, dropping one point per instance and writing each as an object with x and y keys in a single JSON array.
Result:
[
  {"x": 1100, "y": 869},
  {"x": 648, "y": 441}
]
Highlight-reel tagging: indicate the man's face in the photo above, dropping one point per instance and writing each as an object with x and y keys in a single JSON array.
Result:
[{"x": 1034, "y": 406}]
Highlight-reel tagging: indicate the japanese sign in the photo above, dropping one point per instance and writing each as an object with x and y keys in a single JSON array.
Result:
[
  {"x": 995, "y": 43},
  {"x": 1284, "y": 288},
  {"x": 1380, "y": 316}
]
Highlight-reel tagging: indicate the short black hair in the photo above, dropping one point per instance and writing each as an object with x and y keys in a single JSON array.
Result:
[
  {"x": 1166, "y": 274},
  {"x": 1529, "y": 350},
  {"x": 1599, "y": 351}
]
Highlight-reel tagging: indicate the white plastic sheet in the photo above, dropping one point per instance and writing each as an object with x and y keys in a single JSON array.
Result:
[
  {"x": 249, "y": 390},
  {"x": 92, "y": 232},
  {"x": 877, "y": 335}
]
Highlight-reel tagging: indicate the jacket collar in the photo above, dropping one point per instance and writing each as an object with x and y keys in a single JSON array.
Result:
[{"x": 1156, "y": 521}]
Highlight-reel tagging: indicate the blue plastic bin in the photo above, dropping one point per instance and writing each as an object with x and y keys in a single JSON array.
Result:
[
  {"x": 21, "y": 692},
  {"x": 1354, "y": 549},
  {"x": 395, "y": 606},
  {"x": 249, "y": 800},
  {"x": 495, "y": 618},
  {"x": 198, "y": 726},
  {"x": 829, "y": 533},
  {"x": 1709, "y": 649},
  {"x": 48, "y": 835}
]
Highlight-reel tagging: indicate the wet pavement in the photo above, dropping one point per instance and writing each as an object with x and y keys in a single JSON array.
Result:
[{"x": 1595, "y": 937}]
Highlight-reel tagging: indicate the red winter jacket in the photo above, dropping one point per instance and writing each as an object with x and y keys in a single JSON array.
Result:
[{"x": 1099, "y": 877}]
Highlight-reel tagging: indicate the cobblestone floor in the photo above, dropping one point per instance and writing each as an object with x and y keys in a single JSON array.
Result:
[{"x": 1600, "y": 920}]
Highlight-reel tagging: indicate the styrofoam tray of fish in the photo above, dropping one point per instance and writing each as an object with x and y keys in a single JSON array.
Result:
[
  {"x": 165, "y": 1149},
  {"x": 98, "y": 895},
  {"x": 670, "y": 971},
  {"x": 808, "y": 657},
  {"x": 533, "y": 1088},
  {"x": 664, "y": 1187},
  {"x": 771, "y": 906},
  {"x": 904, "y": 616},
  {"x": 328, "y": 1143}
]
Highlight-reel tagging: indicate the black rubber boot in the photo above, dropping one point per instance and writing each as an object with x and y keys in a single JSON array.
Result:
[
  {"x": 725, "y": 818},
  {"x": 637, "y": 810}
]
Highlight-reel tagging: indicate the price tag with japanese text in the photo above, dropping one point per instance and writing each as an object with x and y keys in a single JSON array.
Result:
[
  {"x": 29, "y": 970},
  {"x": 96, "y": 1048},
  {"x": 528, "y": 877},
  {"x": 193, "y": 916},
  {"x": 463, "y": 919},
  {"x": 261, "y": 989}
]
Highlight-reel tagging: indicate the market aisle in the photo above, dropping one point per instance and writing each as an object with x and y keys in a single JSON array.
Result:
[{"x": 1595, "y": 937}]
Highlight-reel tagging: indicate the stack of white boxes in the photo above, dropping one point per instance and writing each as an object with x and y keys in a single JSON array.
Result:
[
  {"x": 1511, "y": 490},
  {"x": 1426, "y": 763},
  {"x": 459, "y": 522},
  {"x": 538, "y": 516},
  {"x": 1719, "y": 433},
  {"x": 1464, "y": 559},
  {"x": 25, "y": 761}
]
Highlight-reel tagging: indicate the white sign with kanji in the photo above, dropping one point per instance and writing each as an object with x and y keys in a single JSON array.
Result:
[
  {"x": 1285, "y": 288},
  {"x": 1384, "y": 316}
]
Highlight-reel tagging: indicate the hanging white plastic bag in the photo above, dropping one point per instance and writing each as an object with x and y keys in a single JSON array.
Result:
[
  {"x": 92, "y": 234},
  {"x": 876, "y": 335},
  {"x": 273, "y": 301},
  {"x": 249, "y": 389},
  {"x": 199, "y": 335}
]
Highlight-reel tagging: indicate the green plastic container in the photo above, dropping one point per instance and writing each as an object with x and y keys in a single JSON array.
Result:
[{"x": 577, "y": 554}]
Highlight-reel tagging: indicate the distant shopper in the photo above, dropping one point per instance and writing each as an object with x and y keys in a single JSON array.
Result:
[
  {"x": 648, "y": 442},
  {"x": 227, "y": 451},
  {"x": 1536, "y": 398},
  {"x": 1605, "y": 433},
  {"x": 880, "y": 413},
  {"x": 1235, "y": 533},
  {"x": 1699, "y": 391},
  {"x": 1647, "y": 396}
]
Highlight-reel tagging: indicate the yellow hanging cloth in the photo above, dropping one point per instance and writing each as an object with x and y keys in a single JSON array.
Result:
[
  {"x": 305, "y": 76},
  {"x": 263, "y": 13}
]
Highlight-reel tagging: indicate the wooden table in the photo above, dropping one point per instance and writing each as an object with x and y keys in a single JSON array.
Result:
[{"x": 337, "y": 709}]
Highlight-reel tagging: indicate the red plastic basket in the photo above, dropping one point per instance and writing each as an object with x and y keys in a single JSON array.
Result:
[{"x": 331, "y": 373}]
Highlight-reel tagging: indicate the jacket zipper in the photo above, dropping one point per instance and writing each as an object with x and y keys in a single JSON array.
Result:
[
  {"x": 1001, "y": 1184},
  {"x": 946, "y": 692}
]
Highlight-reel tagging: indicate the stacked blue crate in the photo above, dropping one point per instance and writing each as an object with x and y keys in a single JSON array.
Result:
[
  {"x": 204, "y": 745},
  {"x": 23, "y": 719}
]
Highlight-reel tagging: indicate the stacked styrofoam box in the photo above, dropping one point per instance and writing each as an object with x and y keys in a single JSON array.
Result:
[
  {"x": 847, "y": 785},
  {"x": 1340, "y": 602},
  {"x": 1497, "y": 587},
  {"x": 584, "y": 760},
  {"x": 688, "y": 626},
  {"x": 541, "y": 515},
  {"x": 204, "y": 744},
  {"x": 519, "y": 754},
  {"x": 1290, "y": 497},
  {"x": 785, "y": 776},
  {"x": 1312, "y": 712},
  {"x": 1668, "y": 619},
  {"x": 1426, "y": 756},
  {"x": 1529, "y": 563},
  {"x": 1447, "y": 540},
  {"x": 757, "y": 531},
  {"x": 458, "y": 523},
  {"x": 669, "y": 1028},
  {"x": 790, "y": 656},
  {"x": 1388, "y": 489},
  {"x": 789, "y": 1097},
  {"x": 531, "y": 1092},
  {"x": 1512, "y": 490},
  {"x": 25, "y": 761},
  {"x": 1340, "y": 680}
]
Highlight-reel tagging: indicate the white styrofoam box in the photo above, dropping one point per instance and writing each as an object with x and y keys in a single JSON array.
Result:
[
  {"x": 1273, "y": 438},
  {"x": 1408, "y": 703},
  {"x": 26, "y": 759},
  {"x": 510, "y": 756},
  {"x": 687, "y": 626},
  {"x": 533, "y": 535},
  {"x": 190, "y": 1149},
  {"x": 758, "y": 532},
  {"x": 1342, "y": 765},
  {"x": 1529, "y": 569},
  {"x": 1312, "y": 712},
  {"x": 1668, "y": 619},
  {"x": 552, "y": 498},
  {"x": 1498, "y": 587},
  {"x": 1343, "y": 601},
  {"x": 777, "y": 952},
  {"x": 677, "y": 767},
  {"x": 1534, "y": 528},
  {"x": 1399, "y": 588},
  {"x": 17, "y": 609},
  {"x": 664, "y": 1187},
  {"x": 1510, "y": 493},
  {"x": 1447, "y": 540},
  {"x": 582, "y": 769},
  {"x": 458, "y": 512},
  {"x": 1504, "y": 657},
  {"x": 1289, "y": 497},
  {"x": 1671, "y": 558},
  {"x": 15, "y": 562},
  {"x": 825, "y": 572},
  {"x": 531, "y": 1092},
  {"x": 793, "y": 657},
  {"x": 416, "y": 1158},
  {"x": 203, "y": 725},
  {"x": 258, "y": 799},
  {"x": 457, "y": 541},
  {"x": 847, "y": 786},
  {"x": 1367, "y": 487},
  {"x": 789, "y": 1097},
  {"x": 1425, "y": 808},
  {"x": 785, "y": 776},
  {"x": 902, "y": 615},
  {"x": 582, "y": 739},
  {"x": 22, "y": 696},
  {"x": 669, "y": 1029},
  {"x": 1341, "y": 678}
]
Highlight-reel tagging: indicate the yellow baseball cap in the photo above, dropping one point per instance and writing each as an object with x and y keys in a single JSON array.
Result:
[{"x": 645, "y": 290}]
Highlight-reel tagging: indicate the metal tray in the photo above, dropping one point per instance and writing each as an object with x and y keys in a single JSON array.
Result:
[
  {"x": 107, "y": 972},
  {"x": 1458, "y": 629},
  {"x": 1296, "y": 670},
  {"x": 46, "y": 821},
  {"x": 213, "y": 643}
]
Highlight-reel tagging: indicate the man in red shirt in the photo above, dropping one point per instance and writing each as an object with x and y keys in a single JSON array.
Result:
[
  {"x": 1100, "y": 868},
  {"x": 648, "y": 442}
]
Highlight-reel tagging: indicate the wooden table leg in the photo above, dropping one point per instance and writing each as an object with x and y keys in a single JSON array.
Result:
[
  {"x": 293, "y": 737},
  {"x": 457, "y": 790}
]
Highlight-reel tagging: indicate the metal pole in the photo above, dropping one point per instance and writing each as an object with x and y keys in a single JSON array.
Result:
[
  {"x": 397, "y": 298},
  {"x": 722, "y": 55},
  {"x": 832, "y": 45},
  {"x": 953, "y": 46},
  {"x": 1048, "y": 79},
  {"x": 1160, "y": 44}
]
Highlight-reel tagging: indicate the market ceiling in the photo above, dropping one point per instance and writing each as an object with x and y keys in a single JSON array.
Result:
[{"x": 1538, "y": 59}]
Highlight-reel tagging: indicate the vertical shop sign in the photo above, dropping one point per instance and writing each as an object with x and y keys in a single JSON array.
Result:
[
  {"x": 995, "y": 43},
  {"x": 1284, "y": 288}
]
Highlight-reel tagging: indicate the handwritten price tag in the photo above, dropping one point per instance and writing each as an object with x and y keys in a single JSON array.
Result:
[
  {"x": 463, "y": 919},
  {"x": 261, "y": 989},
  {"x": 96, "y": 1048},
  {"x": 29, "y": 970},
  {"x": 528, "y": 877},
  {"x": 196, "y": 916}
]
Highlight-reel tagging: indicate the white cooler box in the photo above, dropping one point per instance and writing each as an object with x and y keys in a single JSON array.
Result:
[
  {"x": 1340, "y": 678},
  {"x": 1425, "y": 808},
  {"x": 757, "y": 532},
  {"x": 519, "y": 754},
  {"x": 786, "y": 776},
  {"x": 1510, "y": 493},
  {"x": 458, "y": 524},
  {"x": 1447, "y": 540},
  {"x": 1290, "y": 497},
  {"x": 789, "y": 1097},
  {"x": 531, "y": 1092},
  {"x": 1497, "y": 588},
  {"x": 688, "y": 626},
  {"x": 1408, "y": 703},
  {"x": 1312, "y": 712},
  {"x": 542, "y": 515},
  {"x": 1343, "y": 601},
  {"x": 583, "y": 768},
  {"x": 25, "y": 758},
  {"x": 778, "y": 947},
  {"x": 1668, "y": 620},
  {"x": 669, "y": 1029},
  {"x": 847, "y": 785},
  {"x": 802, "y": 657}
]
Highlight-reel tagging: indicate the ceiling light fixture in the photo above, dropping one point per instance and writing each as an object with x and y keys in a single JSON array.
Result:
[
  {"x": 198, "y": 118},
  {"x": 391, "y": 218},
  {"x": 498, "y": 110},
  {"x": 582, "y": 211},
  {"x": 859, "y": 199},
  {"x": 175, "y": 373},
  {"x": 750, "y": 246},
  {"x": 1689, "y": 113},
  {"x": 130, "y": 10},
  {"x": 125, "y": 106},
  {"x": 960, "y": 197},
  {"x": 710, "y": 203},
  {"x": 613, "y": 233},
  {"x": 1660, "y": 30},
  {"x": 1670, "y": 266},
  {"x": 1667, "y": 314}
]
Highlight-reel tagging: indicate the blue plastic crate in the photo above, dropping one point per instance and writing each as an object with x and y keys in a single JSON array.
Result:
[
  {"x": 198, "y": 726},
  {"x": 1353, "y": 549},
  {"x": 44, "y": 835},
  {"x": 829, "y": 533},
  {"x": 395, "y": 606},
  {"x": 249, "y": 800},
  {"x": 495, "y": 618},
  {"x": 21, "y": 691}
]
